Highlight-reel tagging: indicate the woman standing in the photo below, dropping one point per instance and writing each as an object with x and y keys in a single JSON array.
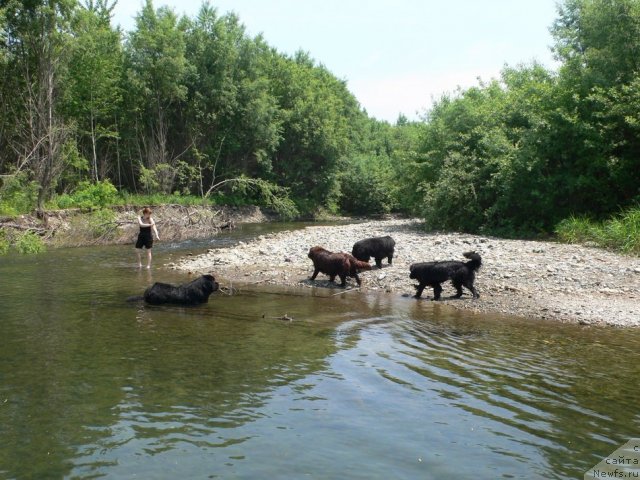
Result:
[{"x": 145, "y": 237}]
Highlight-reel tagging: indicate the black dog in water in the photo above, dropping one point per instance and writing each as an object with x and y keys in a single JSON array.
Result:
[
  {"x": 434, "y": 273},
  {"x": 192, "y": 293},
  {"x": 376, "y": 247}
]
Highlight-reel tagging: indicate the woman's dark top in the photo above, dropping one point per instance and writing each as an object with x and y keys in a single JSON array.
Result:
[{"x": 145, "y": 238}]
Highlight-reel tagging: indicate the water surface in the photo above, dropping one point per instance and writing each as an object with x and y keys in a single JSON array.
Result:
[{"x": 357, "y": 386}]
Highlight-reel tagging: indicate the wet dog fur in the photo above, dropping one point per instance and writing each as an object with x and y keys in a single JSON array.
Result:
[
  {"x": 376, "y": 247},
  {"x": 341, "y": 265},
  {"x": 192, "y": 293},
  {"x": 433, "y": 274}
]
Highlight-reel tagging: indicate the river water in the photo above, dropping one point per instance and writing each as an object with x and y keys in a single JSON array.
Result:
[{"x": 356, "y": 386}]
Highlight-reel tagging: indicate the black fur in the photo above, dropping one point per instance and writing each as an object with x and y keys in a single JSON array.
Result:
[
  {"x": 192, "y": 293},
  {"x": 434, "y": 273},
  {"x": 376, "y": 247}
]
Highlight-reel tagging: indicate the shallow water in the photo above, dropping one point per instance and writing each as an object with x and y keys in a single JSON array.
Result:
[{"x": 357, "y": 386}]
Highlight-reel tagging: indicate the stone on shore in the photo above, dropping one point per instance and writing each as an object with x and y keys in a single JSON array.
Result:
[{"x": 571, "y": 283}]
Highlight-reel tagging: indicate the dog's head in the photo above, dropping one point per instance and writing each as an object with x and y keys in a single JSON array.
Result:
[
  {"x": 210, "y": 282},
  {"x": 475, "y": 259},
  {"x": 315, "y": 251},
  {"x": 412, "y": 271}
]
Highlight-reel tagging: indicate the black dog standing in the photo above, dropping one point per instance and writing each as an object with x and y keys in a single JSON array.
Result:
[
  {"x": 434, "y": 273},
  {"x": 376, "y": 247}
]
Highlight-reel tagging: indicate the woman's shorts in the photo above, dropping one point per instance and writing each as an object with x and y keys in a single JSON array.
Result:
[{"x": 144, "y": 242}]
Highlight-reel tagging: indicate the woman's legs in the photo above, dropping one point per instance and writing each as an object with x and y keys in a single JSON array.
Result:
[
  {"x": 139, "y": 255},
  {"x": 148, "y": 258}
]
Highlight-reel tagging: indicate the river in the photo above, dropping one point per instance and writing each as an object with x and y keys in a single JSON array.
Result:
[{"x": 356, "y": 386}]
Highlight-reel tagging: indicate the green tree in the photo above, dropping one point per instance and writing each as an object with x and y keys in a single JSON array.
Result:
[
  {"x": 35, "y": 43},
  {"x": 232, "y": 117},
  {"x": 598, "y": 41},
  {"x": 156, "y": 79},
  {"x": 599, "y": 44},
  {"x": 93, "y": 95},
  {"x": 317, "y": 113}
]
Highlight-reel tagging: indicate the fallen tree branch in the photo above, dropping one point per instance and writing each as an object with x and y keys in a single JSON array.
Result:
[
  {"x": 346, "y": 291},
  {"x": 284, "y": 317}
]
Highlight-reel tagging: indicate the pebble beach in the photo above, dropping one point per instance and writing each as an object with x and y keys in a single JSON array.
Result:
[{"x": 531, "y": 279}]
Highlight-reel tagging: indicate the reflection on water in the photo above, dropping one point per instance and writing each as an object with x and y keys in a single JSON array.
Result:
[{"x": 356, "y": 386}]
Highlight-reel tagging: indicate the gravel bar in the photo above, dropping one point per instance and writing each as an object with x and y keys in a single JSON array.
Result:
[{"x": 534, "y": 279}]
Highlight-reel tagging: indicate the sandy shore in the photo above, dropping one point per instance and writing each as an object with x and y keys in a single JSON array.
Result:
[{"x": 569, "y": 283}]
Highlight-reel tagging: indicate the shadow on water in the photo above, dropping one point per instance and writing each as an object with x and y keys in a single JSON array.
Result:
[{"x": 355, "y": 386}]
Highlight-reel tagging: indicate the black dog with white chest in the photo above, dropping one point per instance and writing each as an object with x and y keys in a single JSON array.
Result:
[
  {"x": 376, "y": 247},
  {"x": 192, "y": 293},
  {"x": 433, "y": 274}
]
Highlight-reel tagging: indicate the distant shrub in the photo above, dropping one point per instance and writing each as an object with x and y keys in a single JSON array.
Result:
[
  {"x": 17, "y": 194},
  {"x": 366, "y": 187},
  {"x": 621, "y": 232},
  {"x": 89, "y": 195},
  {"x": 256, "y": 191},
  {"x": 29, "y": 243},
  {"x": 101, "y": 223},
  {"x": 4, "y": 242}
]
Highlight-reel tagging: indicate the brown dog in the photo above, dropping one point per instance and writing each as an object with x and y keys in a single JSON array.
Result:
[{"x": 342, "y": 265}]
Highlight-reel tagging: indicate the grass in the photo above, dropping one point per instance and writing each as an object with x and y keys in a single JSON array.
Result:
[{"x": 620, "y": 233}]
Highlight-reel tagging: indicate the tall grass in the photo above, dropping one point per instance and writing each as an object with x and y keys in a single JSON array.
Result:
[{"x": 620, "y": 233}]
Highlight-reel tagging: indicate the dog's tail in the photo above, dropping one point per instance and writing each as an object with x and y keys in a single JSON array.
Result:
[
  {"x": 358, "y": 264},
  {"x": 361, "y": 265},
  {"x": 475, "y": 260}
]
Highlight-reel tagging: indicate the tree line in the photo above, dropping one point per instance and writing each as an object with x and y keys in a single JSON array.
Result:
[{"x": 197, "y": 107}]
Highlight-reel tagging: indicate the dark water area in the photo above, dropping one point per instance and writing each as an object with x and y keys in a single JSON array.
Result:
[{"x": 357, "y": 386}]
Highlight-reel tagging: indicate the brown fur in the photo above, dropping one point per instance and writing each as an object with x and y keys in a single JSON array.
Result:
[{"x": 333, "y": 264}]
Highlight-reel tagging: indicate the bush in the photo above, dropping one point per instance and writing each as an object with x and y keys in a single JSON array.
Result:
[
  {"x": 4, "y": 242},
  {"x": 102, "y": 223},
  {"x": 17, "y": 194},
  {"x": 366, "y": 187},
  {"x": 29, "y": 243},
  {"x": 257, "y": 191},
  {"x": 89, "y": 195}
]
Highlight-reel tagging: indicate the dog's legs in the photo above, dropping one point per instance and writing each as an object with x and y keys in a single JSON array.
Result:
[
  {"x": 437, "y": 290},
  {"x": 332, "y": 278},
  {"x": 379, "y": 262},
  {"x": 458, "y": 286},
  {"x": 390, "y": 258},
  {"x": 355, "y": 275},
  {"x": 343, "y": 279},
  {"x": 419, "y": 289},
  {"x": 468, "y": 282},
  {"x": 315, "y": 273},
  {"x": 472, "y": 289}
]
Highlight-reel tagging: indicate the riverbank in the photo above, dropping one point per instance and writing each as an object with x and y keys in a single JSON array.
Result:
[
  {"x": 119, "y": 225},
  {"x": 568, "y": 283}
]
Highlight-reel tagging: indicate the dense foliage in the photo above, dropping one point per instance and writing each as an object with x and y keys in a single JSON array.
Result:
[
  {"x": 195, "y": 107},
  {"x": 519, "y": 154}
]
